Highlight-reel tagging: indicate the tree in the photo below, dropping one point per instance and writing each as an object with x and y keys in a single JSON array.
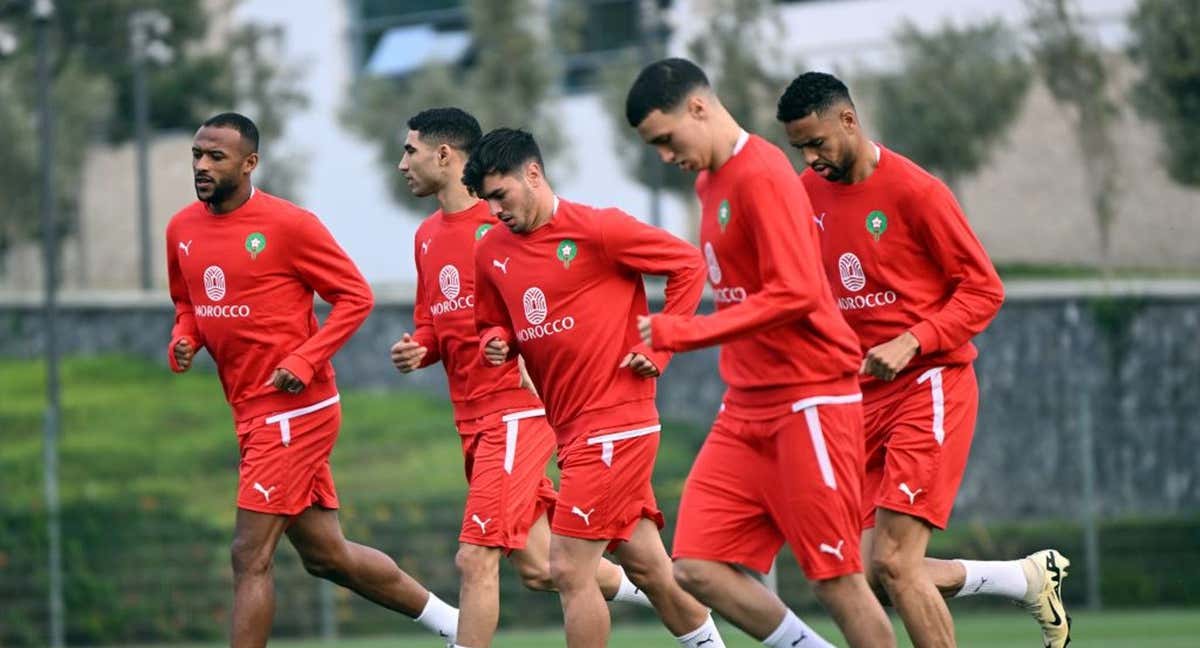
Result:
[
  {"x": 747, "y": 87},
  {"x": 937, "y": 110},
  {"x": 505, "y": 82},
  {"x": 93, "y": 94},
  {"x": 268, "y": 92},
  {"x": 1075, "y": 73},
  {"x": 1166, "y": 43}
]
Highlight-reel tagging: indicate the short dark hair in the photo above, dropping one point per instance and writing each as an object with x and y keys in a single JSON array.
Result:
[
  {"x": 237, "y": 122},
  {"x": 662, "y": 85},
  {"x": 503, "y": 151},
  {"x": 453, "y": 126},
  {"x": 811, "y": 92}
]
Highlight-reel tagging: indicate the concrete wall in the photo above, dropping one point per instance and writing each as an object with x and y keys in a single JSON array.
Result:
[{"x": 1049, "y": 366}]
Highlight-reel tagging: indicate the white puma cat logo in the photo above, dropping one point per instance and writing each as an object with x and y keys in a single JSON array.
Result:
[
  {"x": 912, "y": 495},
  {"x": 836, "y": 551},
  {"x": 425, "y": 246},
  {"x": 266, "y": 492},
  {"x": 578, "y": 511},
  {"x": 503, "y": 266},
  {"x": 820, "y": 221},
  {"x": 186, "y": 247},
  {"x": 482, "y": 523}
]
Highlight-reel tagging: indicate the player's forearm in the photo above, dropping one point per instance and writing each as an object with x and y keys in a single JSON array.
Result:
[
  {"x": 347, "y": 315},
  {"x": 966, "y": 315},
  {"x": 674, "y": 333}
]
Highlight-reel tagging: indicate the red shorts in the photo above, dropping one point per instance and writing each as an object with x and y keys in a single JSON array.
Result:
[
  {"x": 505, "y": 455},
  {"x": 919, "y": 431},
  {"x": 285, "y": 459},
  {"x": 794, "y": 479},
  {"x": 604, "y": 488}
]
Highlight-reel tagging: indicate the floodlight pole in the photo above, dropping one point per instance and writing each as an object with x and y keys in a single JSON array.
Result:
[{"x": 43, "y": 10}]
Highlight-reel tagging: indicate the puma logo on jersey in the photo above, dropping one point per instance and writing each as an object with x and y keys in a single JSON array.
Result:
[
  {"x": 482, "y": 523},
  {"x": 834, "y": 551},
  {"x": 425, "y": 246},
  {"x": 707, "y": 640},
  {"x": 912, "y": 495},
  {"x": 186, "y": 247},
  {"x": 266, "y": 492},
  {"x": 820, "y": 221},
  {"x": 503, "y": 266},
  {"x": 578, "y": 511}
]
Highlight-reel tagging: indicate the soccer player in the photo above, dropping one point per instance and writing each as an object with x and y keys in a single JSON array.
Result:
[
  {"x": 502, "y": 425},
  {"x": 783, "y": 461},
  {"x": 915, "y": 284},
  {"x": 561, "y": 284},
  {"x": 243, "y": 266}
]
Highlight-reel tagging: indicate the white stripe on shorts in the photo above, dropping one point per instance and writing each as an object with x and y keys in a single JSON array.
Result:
[
  {"x": 813, "y": 418},
  {"x": 606, "y": 440},
  {"x": 283, "y": 418},
  {"x": 512, "y": 423},
  {"x": 934, "y": 377}
]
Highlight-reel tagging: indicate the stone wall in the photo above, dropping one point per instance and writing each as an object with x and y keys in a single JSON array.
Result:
[{"x": 1049, "y": 367}]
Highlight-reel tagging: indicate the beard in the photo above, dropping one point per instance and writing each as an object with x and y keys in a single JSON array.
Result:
[{"x": 221, "y": 191}]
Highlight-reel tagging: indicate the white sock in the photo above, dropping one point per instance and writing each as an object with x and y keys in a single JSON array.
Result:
[
  {"x": 627, "y": 592},
  {"x": 706, "y": 636},
  {"x": 794, "y": 633},
  {"x": 440, "y": 617},
  {"x": 995, "y": 577}
]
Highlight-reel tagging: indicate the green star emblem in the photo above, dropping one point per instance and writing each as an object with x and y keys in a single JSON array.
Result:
[
  {"x": 566, "y": 252},
  {"x": 877, "y": 223},
  {"x": 723, "y": 213},
  {"x": 255, "y": 244}
]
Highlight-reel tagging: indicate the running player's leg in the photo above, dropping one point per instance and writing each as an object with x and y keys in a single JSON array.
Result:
[
  {"x": 929, "y": 426},
  {"x": 817, "y": 506},
  {"x": 255, "y": 537},
  {"x": 304, "y": 488},
  {"x": 649, "y": 567},
  {"x": 505, "y": 456},
  {"x": 573, "y": 563},
  {"x": 723, "y": 525},
  {"x": 532, "y": 563},
  {"x": 898, "y": 563}
]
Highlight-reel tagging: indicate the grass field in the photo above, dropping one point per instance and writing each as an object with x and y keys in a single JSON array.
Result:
[{"x": 1108, "y": 629}]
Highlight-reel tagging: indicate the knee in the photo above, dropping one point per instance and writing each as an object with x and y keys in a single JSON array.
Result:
[
  {"x": 886, "y": 566},
  {"x": 476, "y": 563},
  {"x": 329, "y": 564},
  {"x": 536, "y": 577},
  {"x": 249, "y": 559},
  {"x": 566, "y": 574},
  {"x": 694, "y": 576}
]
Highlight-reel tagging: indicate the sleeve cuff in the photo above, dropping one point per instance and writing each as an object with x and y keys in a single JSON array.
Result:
[
  {"x": 299, "y": 367},
  {"x": 495, "y": 333},
  {"x": 927, "y": 337},
  {"x": 660, "y": 358},
  {"x": 662, "y": 332},
  {"x": 171, "y": 351},
  {"x": 432, "y": 355}
]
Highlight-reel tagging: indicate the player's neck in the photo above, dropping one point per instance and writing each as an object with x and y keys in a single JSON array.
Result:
[
  {"x": 235, "y": 200},
  {"x": 547, "y": 204},
  {"x": 727, "y": 134},
  {"x": 868, "y": 160},
  {"x": 454, "y": 198}
]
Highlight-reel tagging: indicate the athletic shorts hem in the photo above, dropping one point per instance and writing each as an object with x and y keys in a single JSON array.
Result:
[
  {"x": 253, "y": 508},
  {"x": 753, "y": 563},
  {"x": 911, "y": 511}
]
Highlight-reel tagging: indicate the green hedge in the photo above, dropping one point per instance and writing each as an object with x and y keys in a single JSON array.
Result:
[{"x": 142, "y": 572}]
